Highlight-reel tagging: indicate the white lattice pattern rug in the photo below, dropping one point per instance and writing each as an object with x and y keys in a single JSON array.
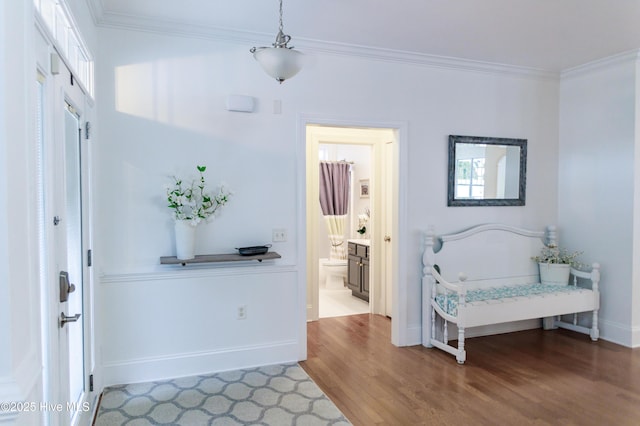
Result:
[{"x": 272, "y": 395}]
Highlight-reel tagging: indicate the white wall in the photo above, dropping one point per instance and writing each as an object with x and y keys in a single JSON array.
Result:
[
  {"x": 20, "y": 366},
  {"x": 162, "y": 110},
  {"x": 598, "y": 184},
  {"x": 363, "y": 170},
  {"x": 9, "y": 390}
]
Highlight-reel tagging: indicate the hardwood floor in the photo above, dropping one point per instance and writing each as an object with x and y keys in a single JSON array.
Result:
[{"x": 532, "y": 377}]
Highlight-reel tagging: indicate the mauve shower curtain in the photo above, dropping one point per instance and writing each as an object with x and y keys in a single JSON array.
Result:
[{"x": 334, "y": 202}]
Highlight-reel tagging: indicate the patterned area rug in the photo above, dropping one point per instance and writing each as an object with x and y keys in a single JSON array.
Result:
[{"x": 273, "y": 395}]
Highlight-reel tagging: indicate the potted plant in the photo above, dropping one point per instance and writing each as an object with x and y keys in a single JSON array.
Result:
[
  {"x": 555, "y": 264},
  {"x": 191, "y": 204},
  {"x": 362, "y": 222}
]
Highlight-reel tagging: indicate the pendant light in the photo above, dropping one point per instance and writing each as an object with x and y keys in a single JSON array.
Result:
[{"x": 280, "y": 61}]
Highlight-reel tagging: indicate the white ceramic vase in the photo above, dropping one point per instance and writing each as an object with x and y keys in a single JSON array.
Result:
[
  {"x": 554, "y": 273},
  {"x": 185, "y": 239}
]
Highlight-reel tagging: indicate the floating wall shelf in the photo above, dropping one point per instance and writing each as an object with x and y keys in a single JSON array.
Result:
[{"x": 215, "y": 258}]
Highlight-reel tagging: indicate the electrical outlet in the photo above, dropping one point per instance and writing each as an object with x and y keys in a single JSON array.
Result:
[
  {"x": 242, "y": 312},
  {"x": 279, "y": 235}
]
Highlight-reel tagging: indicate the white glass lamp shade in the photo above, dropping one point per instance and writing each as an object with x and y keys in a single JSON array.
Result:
[{"x": 279, "y": 62}]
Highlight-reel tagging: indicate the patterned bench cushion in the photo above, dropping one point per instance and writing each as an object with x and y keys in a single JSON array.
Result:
[{"x": 449, "y": 303}]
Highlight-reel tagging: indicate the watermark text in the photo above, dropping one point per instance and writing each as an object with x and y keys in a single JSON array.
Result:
[{"x": 26, "y": 406}]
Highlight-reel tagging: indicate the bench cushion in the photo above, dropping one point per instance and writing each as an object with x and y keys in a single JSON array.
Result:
[{"x": 449, "y": 303}]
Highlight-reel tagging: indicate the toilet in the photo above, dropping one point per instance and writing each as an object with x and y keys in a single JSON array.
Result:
[{"x": 333, "y": 274}]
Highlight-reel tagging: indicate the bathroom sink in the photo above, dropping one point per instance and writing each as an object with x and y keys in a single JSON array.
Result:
[{"x": 362, "y": 241}]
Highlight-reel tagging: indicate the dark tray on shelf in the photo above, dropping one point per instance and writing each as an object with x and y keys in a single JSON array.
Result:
[{"x": 253, "y": 250}]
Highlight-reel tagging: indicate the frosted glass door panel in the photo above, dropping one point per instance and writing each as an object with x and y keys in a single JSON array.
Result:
[{"x": 73, "y": 216}]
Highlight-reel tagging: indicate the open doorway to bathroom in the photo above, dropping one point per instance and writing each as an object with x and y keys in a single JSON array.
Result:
[
  {"x": 368, "y": 222},
  {"x": 342, "y": 289}
]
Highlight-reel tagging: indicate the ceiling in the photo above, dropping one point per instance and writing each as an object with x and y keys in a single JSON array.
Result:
[{"x": 549, "y": 35}]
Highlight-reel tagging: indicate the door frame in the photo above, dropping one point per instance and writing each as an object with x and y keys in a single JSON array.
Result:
[
  {"x": 57, "y": 92},
  {"x": 388, "y": 190},
  {"x": 375, "y": 139},
  {"x": 399, "y": 323}
]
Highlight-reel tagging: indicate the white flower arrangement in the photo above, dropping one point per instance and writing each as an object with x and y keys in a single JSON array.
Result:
[
  {"x": 363, "y": 219},
  {"x": 556, "y": 255},
  {"x": 193, "y": 203}
]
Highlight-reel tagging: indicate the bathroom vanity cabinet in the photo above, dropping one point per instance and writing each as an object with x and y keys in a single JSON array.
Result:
[{"x": 358, "y": 270}]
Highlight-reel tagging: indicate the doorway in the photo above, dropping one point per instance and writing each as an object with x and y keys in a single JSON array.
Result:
[
  {"x": 64, "y": 169},
  {"x": 382, "y": 145}
]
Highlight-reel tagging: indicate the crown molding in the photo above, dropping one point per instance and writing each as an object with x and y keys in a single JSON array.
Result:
[
  {"x": 422, "y": 59},
  {"x": 107, "y": 19},
  {"x": 96, "y": 10},
  {"x": 600, "y": 64},
  {"x": 175, "y": 27}
]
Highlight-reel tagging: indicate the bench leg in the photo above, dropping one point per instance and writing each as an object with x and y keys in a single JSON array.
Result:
[
  {"x": 548, "y": 323},
  {"x": 594, "y": 333},
  {"x": 432, "y": 332},
  {"x": 462, "y": 354}
]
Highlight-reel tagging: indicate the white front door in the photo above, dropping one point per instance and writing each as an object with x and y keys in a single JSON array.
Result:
[
  {"x": 71, "y": 267},
  {"x": 66, "y": 164}
]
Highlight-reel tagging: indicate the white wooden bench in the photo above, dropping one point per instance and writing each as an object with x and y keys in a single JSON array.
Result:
[{"x": 498, "y": 282}]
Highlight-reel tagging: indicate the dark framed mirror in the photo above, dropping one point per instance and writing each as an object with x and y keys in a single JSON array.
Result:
[{"x": 485, "y": 171}]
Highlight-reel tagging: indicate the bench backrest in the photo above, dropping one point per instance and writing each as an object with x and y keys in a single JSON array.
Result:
[{"x": 491, "y": 254}]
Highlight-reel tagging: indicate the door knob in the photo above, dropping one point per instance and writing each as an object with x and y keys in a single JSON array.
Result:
[
  {"x": 387, "y": 238},
  {"x": 65, "y": 319}
]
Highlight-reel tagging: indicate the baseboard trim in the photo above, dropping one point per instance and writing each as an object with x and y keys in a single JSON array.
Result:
[
  {"x": 190, "y": 364},
  {"x": 21, "y": 386},
  {"x": 414, "y": 335},
  {"x": 310, "y": 313},
  {"x": 9, "y": 393},
  {"x": 620, "y": 334},
  {"x": 29, "y": 373}
]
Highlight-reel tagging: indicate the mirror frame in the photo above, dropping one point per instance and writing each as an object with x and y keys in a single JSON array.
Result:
[{"x": 456, "y": 139}]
